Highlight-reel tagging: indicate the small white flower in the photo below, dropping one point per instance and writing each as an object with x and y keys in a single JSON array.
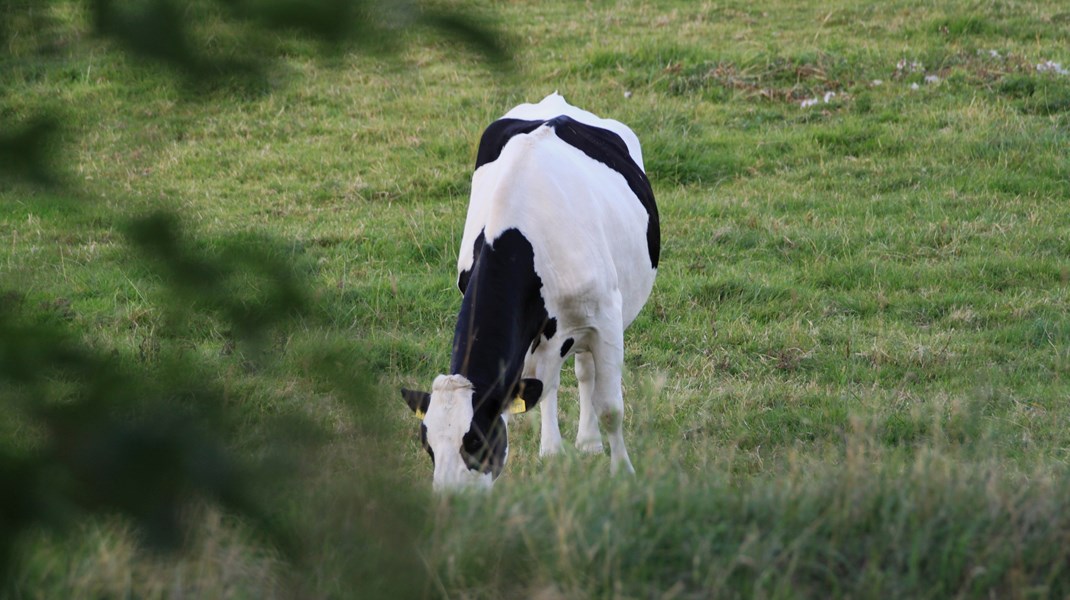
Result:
[
  {"x": 914, "y": 86},
  {"x": 994, "y": 54},
  {"x": 1052, "y": 67},
  {"x": 627, "y": 94},
  {"x": 876, "y": 82},
  {"x": 932, "y": 79},
  {"x": 808, "y": 102},
  {"x": 829, "y": 96}
]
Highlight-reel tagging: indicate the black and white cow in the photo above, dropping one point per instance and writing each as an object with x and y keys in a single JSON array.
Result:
[{"x": 559, "y": 254}]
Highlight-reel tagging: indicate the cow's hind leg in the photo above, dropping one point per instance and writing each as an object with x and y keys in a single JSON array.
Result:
[
  {"x": 588, "y": 439},
  {"x": 608, "y": 400}
]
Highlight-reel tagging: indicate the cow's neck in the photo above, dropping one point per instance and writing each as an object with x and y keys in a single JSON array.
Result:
[{"x": 501, "y": 313}]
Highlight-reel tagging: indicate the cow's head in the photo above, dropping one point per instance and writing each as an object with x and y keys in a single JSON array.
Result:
[{"x": 468, "y": 446}]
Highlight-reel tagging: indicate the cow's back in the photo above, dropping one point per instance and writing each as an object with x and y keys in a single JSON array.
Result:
[{"x": 555, "y": 105}]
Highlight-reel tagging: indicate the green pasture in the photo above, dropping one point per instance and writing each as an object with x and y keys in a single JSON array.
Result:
[{"x": 851, "y": 379}]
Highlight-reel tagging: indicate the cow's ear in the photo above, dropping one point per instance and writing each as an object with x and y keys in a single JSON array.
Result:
[
  {"x": 528, "y": 392},
  {"x": 417, "y": 401}
]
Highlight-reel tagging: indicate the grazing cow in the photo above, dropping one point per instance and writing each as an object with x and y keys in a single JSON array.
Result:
[{"x": 559, "y": 254}]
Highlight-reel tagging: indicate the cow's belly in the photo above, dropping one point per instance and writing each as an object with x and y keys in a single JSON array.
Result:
[
  {"x": 579, "y": 308},
  {"x": 607, "y": 272}
]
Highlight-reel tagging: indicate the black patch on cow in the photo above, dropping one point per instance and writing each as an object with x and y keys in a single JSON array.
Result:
[
  {"x": 483, "y": 447},
  {"x": 498, "y": 134},
  {"x": 549, "y": 329},
  {"x": 566, "y": 347},
  {"x": 464, "y": 276},
  {"x": 501, "y": 314},
  {"x": 599, "y": 144},
  {"x": 609, "y": 149},
  {"x": 423, "y": 442}
]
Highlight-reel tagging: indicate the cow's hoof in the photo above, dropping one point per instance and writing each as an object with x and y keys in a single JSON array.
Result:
[
  {"x": 622, "y": 467},
  {"x": 590, "y": 446},
  {"x": 549, "y": 450}
]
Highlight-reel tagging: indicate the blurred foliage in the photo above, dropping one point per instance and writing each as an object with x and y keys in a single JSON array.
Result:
[
  {"x": 213, "y": 284},
  {"x": 99, "y": 434},
  {"x": 109, "y": 438},
  {"x": 160, "y": 30},
  {"x": 25, "y": 151},
  {"x": 143, "y": 440}
]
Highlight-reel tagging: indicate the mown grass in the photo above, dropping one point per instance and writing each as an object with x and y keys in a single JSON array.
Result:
[{"x": 850, "y": 379}]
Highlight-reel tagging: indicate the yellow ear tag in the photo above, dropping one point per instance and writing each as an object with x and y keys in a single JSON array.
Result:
[
  {"x": 420, "y": 414},
  {"x": 517, "y": 406}
]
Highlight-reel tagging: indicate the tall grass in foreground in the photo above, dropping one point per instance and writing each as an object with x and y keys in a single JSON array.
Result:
[
  {"x": 920, "y": 526},
  {"x": 865, "y": 522}
]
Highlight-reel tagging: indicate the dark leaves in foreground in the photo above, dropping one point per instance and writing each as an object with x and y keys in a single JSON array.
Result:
[
  {"x": 108, "y": 439},
  {"x": 163, "y": 32},
  {"x": 247, "y": 282},
  {"x": 26, "y": 150},
  {"x": 91, "y": 431}
]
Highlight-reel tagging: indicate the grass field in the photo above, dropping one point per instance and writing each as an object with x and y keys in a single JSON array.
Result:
[{"x": 851, "y": 379}]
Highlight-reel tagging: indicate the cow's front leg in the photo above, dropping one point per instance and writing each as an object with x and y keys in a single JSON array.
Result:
[
  {"x": 550, "y": 432},
  {"x": 588, "y": 439},
  {"x": 541, "y": 366}
]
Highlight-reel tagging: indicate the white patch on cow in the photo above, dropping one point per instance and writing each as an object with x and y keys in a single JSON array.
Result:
[{"x": 448, "y": 418}]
